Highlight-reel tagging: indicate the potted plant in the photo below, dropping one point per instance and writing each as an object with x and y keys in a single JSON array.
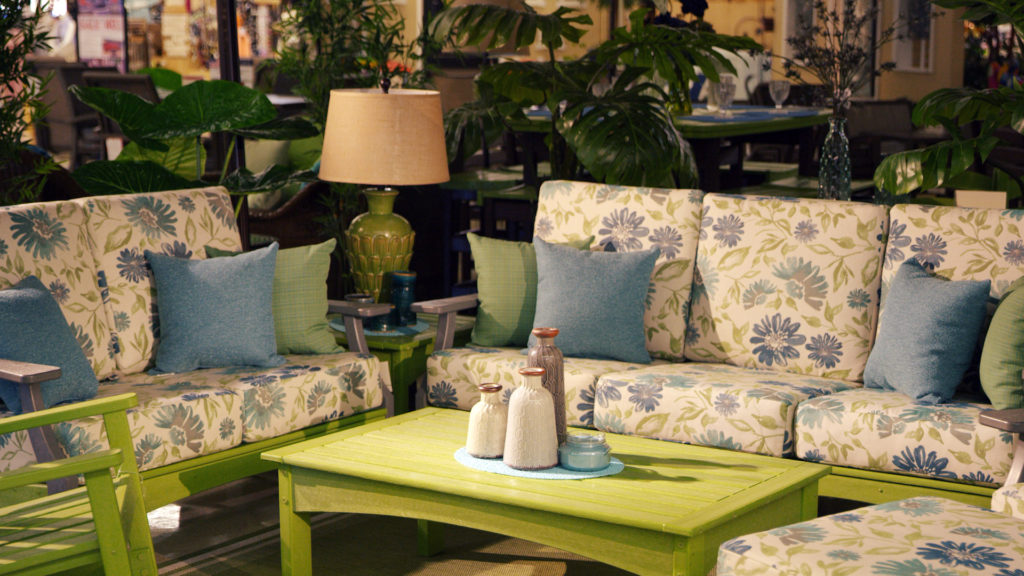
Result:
[
  {"x": 987, "y": 110},
  {"x": 610, "y": 119},
  {"x": 22, "y": 172}
]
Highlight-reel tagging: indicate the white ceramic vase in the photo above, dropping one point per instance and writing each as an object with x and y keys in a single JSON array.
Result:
[
  {"x": 488, "y": 420},
  {"x": 530, "y": 441}
]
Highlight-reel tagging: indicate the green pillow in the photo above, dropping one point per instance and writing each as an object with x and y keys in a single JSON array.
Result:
[
  {"x": 1002, "y": 357},
  {"x": 300, "y": 298},
  {"x": 506, "y": 281}
]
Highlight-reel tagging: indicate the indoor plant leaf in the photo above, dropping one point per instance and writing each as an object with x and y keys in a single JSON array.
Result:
[
  {"x": 102, "y": 178},
  {"x": 209, "y": 106},
  {"x": 135, "y": 116},
  {"x": 179, "y": 157},
  {"x": 274, "y": 177},
  {"x": 289, "y": 128}
]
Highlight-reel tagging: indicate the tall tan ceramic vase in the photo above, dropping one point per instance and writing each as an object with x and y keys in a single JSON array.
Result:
[
  {"x": 544, "y": 354},
  {"x": 488, "y": 420},
  {"x": 530, "y": 441}
]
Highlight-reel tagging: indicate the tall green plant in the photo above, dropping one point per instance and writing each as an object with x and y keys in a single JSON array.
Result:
[
  {"x": 21, "y": 91},
  {"x": 608, "y": 115},
  {"x": 953, "y": 108}
]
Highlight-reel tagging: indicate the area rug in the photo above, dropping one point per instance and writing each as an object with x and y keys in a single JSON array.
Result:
[{"x": 234, "y": 533}]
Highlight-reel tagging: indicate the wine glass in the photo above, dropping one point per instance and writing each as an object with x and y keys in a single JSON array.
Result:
[
  {"x": 779, "y": 90},
  {"x": 726, "y": 91}
]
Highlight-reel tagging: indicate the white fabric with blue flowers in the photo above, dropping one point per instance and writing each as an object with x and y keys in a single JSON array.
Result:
[
  {"x": 913, "y": 537},
  {"x": 1009, "y": 500},
  {"x": 887, "y": 431}
]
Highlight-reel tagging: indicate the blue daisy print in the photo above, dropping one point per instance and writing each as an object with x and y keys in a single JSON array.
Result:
[
  {"x": 858, "y": 298},
  {"x": 261, "y": 404},
  {"x": 757, "y": 294},
  {"x": 930, "y": 249},
  {"x": 1014, "y": 252},
  {"x": 845, "y": 555},
  {"x": 623, "y": 229},
  {"x": 132, "y": 265},
  {"x": 897, "y": 241},
  {"x": 776, "y": 339},
  {"x": 847, "y": 518},
  {"x": 3, "y": 247},
  {"x": 443, "y": 395},
  {"x": 976, "y": 532},
  {"x": 608, "y": 392},
  {"x": 151, "y": 215},
  {"x": 184, "y": 427},
  {"x": 586, "y": 406},
  {"x": 259, "y": 379},
  {"x": 815, "y": 412},
  {"x": 913, "y": 567},
  {"x": 728, "y": 230},
  {"x": 544, "y": 227},
  {"x": 803, "y": 281},
  {"x": 705, "y": 222},
  {"x": 645, "y": 395},
  {"x": 39, "y": 233},
  {"x": 75, "y": 439},
  {"x": 177, "y": 249},
  {"x": 60, "y": 291},
  {"x": 736, "y": 545},
  {"x": 805, "y": 231},
  {"x": 825, "y": 350},
  {"x": 668, "y": 240},
  {"x": 222, "y": 209},
  {"x": 317, "y": 397},
  {"x": 146, "y": 449},
  {"x": 186, "y": 204},
  {"x": 84, "y": 340},
  {"x": 799, "y": 534},
  {"x": 966, "y": 554},
  {"x": 726, "y": 404},
  {"x": 921, "y": 462},
  {"x": 226, "y": 429},
  {"x": 718, "y": 439}
]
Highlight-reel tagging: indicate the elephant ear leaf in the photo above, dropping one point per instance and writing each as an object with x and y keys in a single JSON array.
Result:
[
  {"x": 102, "y": 178},
  {"x": 214, "y": 106},
  {"x": 135, "y": 116}
]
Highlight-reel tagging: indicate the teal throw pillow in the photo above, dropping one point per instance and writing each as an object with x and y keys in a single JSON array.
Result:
[
  {"x": 1002, "y": 356},
  {"x": 215, "y": 313},
  {"x": 300, "y": 298},
  {"x": 33, "y": 329},
  {"x": 506, "y": 281},
  {"x": 595, "y": 299},
  {"x": 927, "y": 334}
]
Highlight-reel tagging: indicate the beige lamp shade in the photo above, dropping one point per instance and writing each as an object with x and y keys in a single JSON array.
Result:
[{"x": 393, "y": 139}]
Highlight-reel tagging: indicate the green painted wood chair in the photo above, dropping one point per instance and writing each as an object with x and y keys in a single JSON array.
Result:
[{"x": 103, "y": 522}]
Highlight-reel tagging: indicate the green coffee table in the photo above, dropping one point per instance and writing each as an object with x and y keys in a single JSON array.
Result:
[{"x": 666, "y": 513}]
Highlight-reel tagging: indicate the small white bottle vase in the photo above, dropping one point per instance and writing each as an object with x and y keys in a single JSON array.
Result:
[
  {"x": 488, "y": 420},
  {"x": 531, "y": 442}
]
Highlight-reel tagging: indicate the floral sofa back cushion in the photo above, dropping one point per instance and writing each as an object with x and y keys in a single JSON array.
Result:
[
  {"x": 629, "y": 219},
  {"x": 50, "y": 241},
  {"x": 787, "y": 285},
  {"x": 179, "y": 223}
]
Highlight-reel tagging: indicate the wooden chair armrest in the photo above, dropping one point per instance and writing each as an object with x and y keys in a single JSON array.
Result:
[
  {"x": 1011, "y": 421},
  {"x": 39, "y": 473},
  {"x": 353, "y": 314},
  {"x": 27, "y": 372},
  {"x": 446, "y": 310}
]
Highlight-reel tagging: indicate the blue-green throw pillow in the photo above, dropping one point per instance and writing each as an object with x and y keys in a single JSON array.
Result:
[
  {"x": 927, "y": 334},
  {"x": 215, "y": 313},
  {"x": 33, "y": 329},
  {"x": 595, "y": 299}
]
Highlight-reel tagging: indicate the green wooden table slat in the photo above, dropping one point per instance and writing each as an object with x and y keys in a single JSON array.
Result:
[{"x": 405, "y": 466}]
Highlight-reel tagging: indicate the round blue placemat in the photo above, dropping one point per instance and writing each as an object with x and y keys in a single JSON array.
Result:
[
  {"x": 496, "y": 466},
  {"x": 411, "y": 330}
]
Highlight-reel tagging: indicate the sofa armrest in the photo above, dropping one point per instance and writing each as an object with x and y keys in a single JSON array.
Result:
[
  {"x": 354, "y": 313},
  {"x": 1011, "y": 421},
  {"x": 446, "y": 310}
]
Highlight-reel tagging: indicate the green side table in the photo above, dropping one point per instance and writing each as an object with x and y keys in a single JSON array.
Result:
[{"x": 406, "y": 355}]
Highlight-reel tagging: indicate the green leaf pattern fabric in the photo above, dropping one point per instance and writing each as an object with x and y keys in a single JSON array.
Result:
[
  {"x": 51, "y": 241},
  {"x": 787, "y": 285},
  {"x": 629, "y": 219},
  {"x": 887, "y": 431},
  {"x": 924, "y": 535},
  {"x": 1009, "y": 500},
  {"x": 453, "y": 376},
  {"x": 122, "y": 227},
  {"x": 708, "y": 404}
]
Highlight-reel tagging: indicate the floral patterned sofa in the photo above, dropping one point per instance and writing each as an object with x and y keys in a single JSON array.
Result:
[
  {"x": 191, "y": 430},
  {"x": 760, "y": 318}
]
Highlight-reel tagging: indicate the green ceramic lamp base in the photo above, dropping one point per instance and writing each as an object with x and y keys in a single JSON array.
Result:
[{"x": 378, "y": 242}]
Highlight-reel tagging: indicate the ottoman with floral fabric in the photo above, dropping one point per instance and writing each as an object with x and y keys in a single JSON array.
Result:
[{"x": 917, "y": 536}]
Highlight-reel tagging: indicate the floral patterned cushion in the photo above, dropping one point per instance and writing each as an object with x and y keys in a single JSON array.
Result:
[
  {"x": 189, "y": 414},
  {"x": 787, "y": 285},
  {"x": 708, "y": 404},
  {"x": 1009, "y": 500},
  {"x": 15, "y": 448},
  {"x": 628, "y": 219},
  {"x": 917, "y": 536},
  {"x": 179, "y": 223},
  {"x": 453, "y": 376},
  {"x": 50, "y": 241},
  {"x": 886, "y": 431}
]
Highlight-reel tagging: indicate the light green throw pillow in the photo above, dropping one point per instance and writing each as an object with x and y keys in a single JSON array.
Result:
[
  {"x": 300, "y": 298},
  {"x": 506, "y": 288},
  {"x": 1002, "y": 357}
]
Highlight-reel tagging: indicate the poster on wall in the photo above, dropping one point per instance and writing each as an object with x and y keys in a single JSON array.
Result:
[{"x": 101, "y": 33}]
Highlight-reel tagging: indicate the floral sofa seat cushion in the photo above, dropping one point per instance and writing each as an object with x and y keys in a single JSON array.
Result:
[
  {"x": 629, "y": 219},
  {"x": 882, "y": 430},
  {"x": 122, "y": 227},
  {"x": 15, "y": 448},
  {"x": 304, "y": 391},
  {"x": 915, "y": 536},
  {"x": 453, "y": 376},
  {"x": 1009, "y": 500},
  {"x": 787, "y": 285},
  {"x": 709, "y": 404},
  {"x": 51, "y": 241}
]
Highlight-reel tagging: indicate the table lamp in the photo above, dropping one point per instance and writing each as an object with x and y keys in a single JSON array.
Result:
[{"x": 382, "y": 138}]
